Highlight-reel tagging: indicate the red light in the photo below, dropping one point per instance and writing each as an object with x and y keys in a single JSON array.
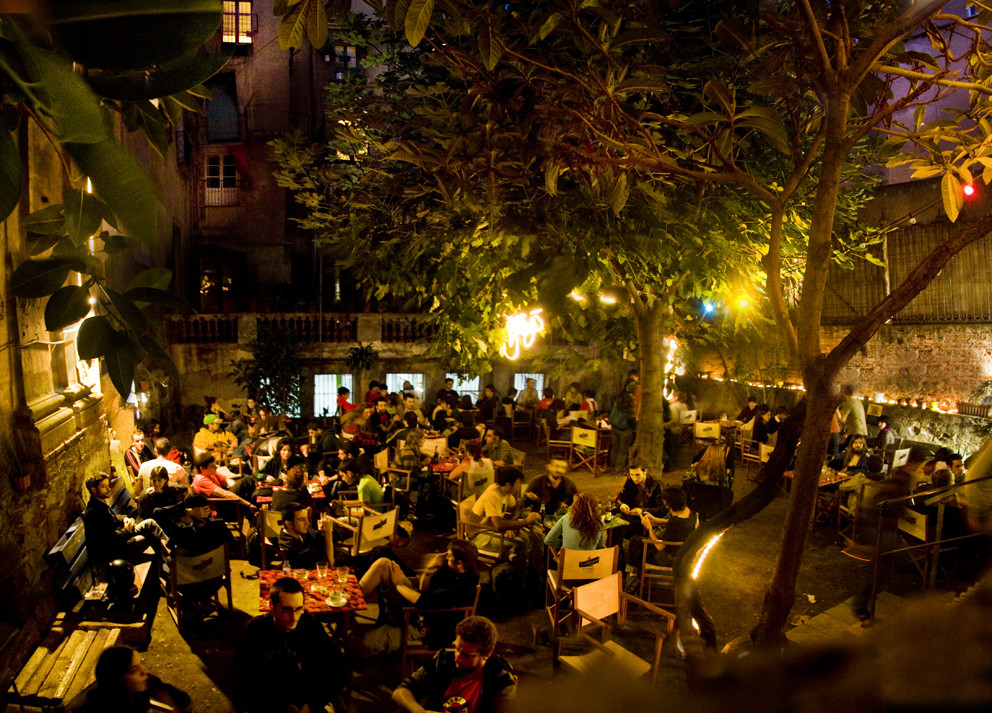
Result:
[{"x": 969, "y": 190}]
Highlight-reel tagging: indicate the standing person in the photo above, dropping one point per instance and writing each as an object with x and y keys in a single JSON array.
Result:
[
  {"x": 673, "y": 429},
  {"x": 468, "y": 677},
  {"x": 749, "y": 410},
  {"x": 852, "y": 413},
  {"x": 285, "y": 661},
  {"x": 123, "y": 685},
  {"x": 621, "y": 431},
  {"x": 886, "y": 439},
  {"x": 632, "y": 386},
  {"x": 580, "y": 528}
]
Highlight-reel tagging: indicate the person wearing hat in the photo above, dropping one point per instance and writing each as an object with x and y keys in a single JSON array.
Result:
[
  {"x": 552, "y": 490},
  {"x": 211, "y": 437},
  {"x": 886, "y": 439}
]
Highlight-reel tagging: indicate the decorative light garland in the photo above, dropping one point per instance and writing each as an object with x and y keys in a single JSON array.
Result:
[{"x": 522, "y": 329}]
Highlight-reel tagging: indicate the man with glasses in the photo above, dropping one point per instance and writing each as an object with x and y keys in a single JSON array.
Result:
[
  {"x": 467, "y": 678},
  {"x": 286, "y": 662}
]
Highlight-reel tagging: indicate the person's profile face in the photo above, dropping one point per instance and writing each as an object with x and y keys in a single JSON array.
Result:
[
  {"x": 957, "y": 467},
  {"x": 287, "y": 610},
  {"x": 300, "y": 521},
  {"x": 468, "y": 657},
  {"x": 638, "y": 475},
  {"x": 102, "y": 490},
  {"x": 454, "y": 564},
  {"x": 136, "y": 677}
]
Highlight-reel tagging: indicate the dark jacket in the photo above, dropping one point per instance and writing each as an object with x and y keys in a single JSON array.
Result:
[
  {"x": 105, "y": 537},
  {"x": 429, "y": 682},
  {"x": 646, "y": 496}
]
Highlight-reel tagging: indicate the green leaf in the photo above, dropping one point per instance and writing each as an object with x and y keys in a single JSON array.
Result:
[
  {"x": 128, "y": 311},
  {"x": 549, "y": 25},
  {"x": 120, "y": 181},
  {"x": 292, "y": 28},
  {"x": 163, "y": 81},
  {"x": 10, "y": 174},
  {"x": 159, "y": 355},
  {"x": 316, "y": 24},
  {"x": 95, "y": 338},
  {"x": 950, "y": 192},
  {"x": 39, "y": 278},
  {"x": 113, "y": 243},
  {"x": 83, "y": 214},
  {"x": 37, "y": 244},
  {"x": 718, "y": 92},
  {"x": 120, "y": 361},
  {"x": 73, "y": 109},
  {"x": 142, "y": 296},
  {"x": 418, "y": 17},
  {"x": 490, "y": 49},
  {"x": 67, "y": 306},
  {"x": 768, "y": 122},
  {"x": 158, "y": 278},
  {"x": 47, "y": 221}
]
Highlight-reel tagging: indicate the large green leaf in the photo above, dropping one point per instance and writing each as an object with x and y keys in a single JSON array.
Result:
[
  {"x": 292, "y": 28},
  {"x": 417, "y": 19},
  {"x": 10, "y": 174},
  {"x": 316, "y": 24},
  {"x": 128, "y": 311},
  {"x": 39, "y": 278},
  {"x": 83, "y": 214},
  {"x": 73, "y": 109},
  {"x": 490, "y": 49},
  {"x": 95, "y": 338},
  {"x": 159, "y": 355},
  {"x": 67, "y": 306},
  {"x": 142, "y": 296},
  {"x": 37, "y": 244},
  {"x": 120, "y": 181},
  {"x": 120, "y": 361},
  {"x": 49, "y": 220},
  {"x": 163, "y": 81},
  {"x": 950, "y": 192},
  {"x": 158, "y": 278}
]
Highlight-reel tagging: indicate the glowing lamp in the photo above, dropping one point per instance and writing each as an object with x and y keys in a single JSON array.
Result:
[
  {"x": 743, "y": 303},
  {"x": 522, "y": 329},
  {"x": 708, "y": 308},
  {"x": 968, "y": 189}
]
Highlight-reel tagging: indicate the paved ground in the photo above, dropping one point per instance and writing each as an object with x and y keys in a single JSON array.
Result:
[{"x": 732, "y": 586}]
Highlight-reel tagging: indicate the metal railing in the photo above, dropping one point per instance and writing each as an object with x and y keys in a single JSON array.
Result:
[{"x": 203, "y": 329}]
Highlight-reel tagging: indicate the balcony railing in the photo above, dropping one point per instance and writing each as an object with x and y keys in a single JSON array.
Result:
[
  {"x": 309, "y": 328},
  {"x": 405, "y": 329},
  {"x": 204, "y": 329}
]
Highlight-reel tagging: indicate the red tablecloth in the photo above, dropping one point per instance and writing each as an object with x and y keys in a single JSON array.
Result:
[
  {"x": 313, "y": 487},
  {"x": 314, "y": 602}
]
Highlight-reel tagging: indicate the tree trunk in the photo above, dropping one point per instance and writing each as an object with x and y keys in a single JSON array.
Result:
[
  {"x": 650, "y": 441},
  {"x": 781, "y": 593}
]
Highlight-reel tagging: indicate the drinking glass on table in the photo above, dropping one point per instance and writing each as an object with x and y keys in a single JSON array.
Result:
[
  {"x": 322, "y": 569},
  {"x": 342, "y": 573}
]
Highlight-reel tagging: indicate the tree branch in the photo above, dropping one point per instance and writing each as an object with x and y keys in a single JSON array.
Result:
[
  {"x": 814, "y": 28},
  {"x": 931, "y": 78},
  {"x": 917, "y": 280},
  {"x": 889, "y": 35}
]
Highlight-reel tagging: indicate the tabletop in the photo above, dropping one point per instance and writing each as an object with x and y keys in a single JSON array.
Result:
[
  {"x": 313, "y": 487},
  {"x": 315, "y": 591}
]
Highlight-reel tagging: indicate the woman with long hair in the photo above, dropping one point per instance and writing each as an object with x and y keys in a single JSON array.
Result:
[
  {"x": 124, "y": 686},
  {"x": 579, "y": 528}
]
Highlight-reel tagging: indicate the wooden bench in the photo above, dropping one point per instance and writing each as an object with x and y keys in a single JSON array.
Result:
[
  {"x": 77, "y": 588},
  {"x": 60, "y": 669}
]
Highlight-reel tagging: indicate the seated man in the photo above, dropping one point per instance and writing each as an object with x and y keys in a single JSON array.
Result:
[
  {"x": 137, "y": 454},
  {"x": 468, "y": 677},
  {"x": 497, "y": 449},
  {"x": 303, "y": 547},
  {"x": 212, "y": 484},
  {"x": 320, "y": 441},
  {"x": 285, "y": 661},
  {"x": 110, "y": 536},
  {"x": 190, "y": 526},
  {"x": 496, "y": 509},
  {"x": 553, "y": 490},
  {"x": 488, "y": 404},
  {"x": 163, "y": 451},
  {"x": 212, "y": 438}
]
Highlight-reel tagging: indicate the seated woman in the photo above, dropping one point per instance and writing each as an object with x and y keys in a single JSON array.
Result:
[
  {"x": 274, "y": 471},
  {"x": 680, "y": 524},
  {"x": 295, "y": 490},
  {"x": 466, "y": 430},
  {"x": 478, "y": 471},
  {"x": 579, "y": 528},
  {"x": 712, "y": 466},
  {"x": 124, "y": 686},
  {"x": 854, "y": 460},
  {"x": 449, "y": 581}
]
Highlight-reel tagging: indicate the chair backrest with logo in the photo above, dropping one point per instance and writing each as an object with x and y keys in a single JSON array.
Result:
[
  {"x": 702, "y": 429},
  {"x": 577, "y": 565}
]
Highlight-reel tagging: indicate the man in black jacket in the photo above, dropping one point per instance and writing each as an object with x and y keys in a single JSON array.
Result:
[
  {"x": 466, "y": 677},
  {"x": 110, "y": 536}
]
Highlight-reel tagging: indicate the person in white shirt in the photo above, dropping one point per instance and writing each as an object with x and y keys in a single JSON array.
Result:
[
  {"x": 497, "y": 509},
  {"x": 177, "y": 474}
]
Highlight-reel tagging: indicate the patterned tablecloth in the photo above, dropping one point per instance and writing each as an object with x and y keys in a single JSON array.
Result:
[{"x": 315, "y": 591}]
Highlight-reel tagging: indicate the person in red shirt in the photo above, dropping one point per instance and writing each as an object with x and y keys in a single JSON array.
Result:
[
  {"x": 211, "y": 484},
  {"x": 374, "y": 393},
  {"x": 344, "y": 406}
]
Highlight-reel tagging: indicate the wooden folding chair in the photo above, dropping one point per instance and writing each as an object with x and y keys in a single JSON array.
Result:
[
  {"x": 702, "y": 430},
  {"x": 371, "y": 530},
  {"x": 186, "y": 570},
  {"x": 518, "y": 457},
  {"x": 572, "y": 568},
  {"x": 556, "y": 446},
  {"x": 687, "y": 431},
  {"x": 380, "y": 461},
  {"x": 414, "y": 647},
  {"x": 466, "y": 528},
  {"x": 519, "y": 421},
  {"x": 596, "y": 604},
  {"x": 233, "y": 513},
  {"x": 269, "y": 528},
  {"x": 585, "y": 450}
]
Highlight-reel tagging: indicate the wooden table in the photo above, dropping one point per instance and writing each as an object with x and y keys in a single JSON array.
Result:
[
  {"x": 316, "y": 602},
  {"x": 313, "y": 487}
]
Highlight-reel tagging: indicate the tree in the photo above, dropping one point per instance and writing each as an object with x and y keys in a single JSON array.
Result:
[
  {"x": 813, "y": 81},
  {"x": 446, "y": 191},
  {"x": 166, "y": 57},
  {"x": 274, "y": 374}
]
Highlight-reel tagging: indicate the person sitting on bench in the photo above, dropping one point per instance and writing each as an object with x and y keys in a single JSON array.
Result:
[{"x": 110, "y": 536}]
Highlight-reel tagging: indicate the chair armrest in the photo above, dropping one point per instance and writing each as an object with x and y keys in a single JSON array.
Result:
[{"x": 604, "y": 626}]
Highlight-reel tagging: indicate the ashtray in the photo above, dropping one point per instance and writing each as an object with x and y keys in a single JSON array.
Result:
[{"x": 318, "y": 589}]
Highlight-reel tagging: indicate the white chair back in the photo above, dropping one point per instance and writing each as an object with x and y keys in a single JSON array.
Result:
[
  {"x": 588, "y": 564},
  {"x": 191, "y": 569},
  {"x": 688, "y": 417},
  {"x": 702, "y": 429},
  {"x": 765, "y": 452}
]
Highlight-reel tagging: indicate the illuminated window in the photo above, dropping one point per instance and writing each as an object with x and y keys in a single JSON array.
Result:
[
  {"x": 394, "y": 383},
  {"x": 345, "y": 60},
  {"x": 325, "y": 392},
  {"x": 237, "y": 23},
  {"x": 465, "y": 386},
  {"x": 520, "y": 382}
]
